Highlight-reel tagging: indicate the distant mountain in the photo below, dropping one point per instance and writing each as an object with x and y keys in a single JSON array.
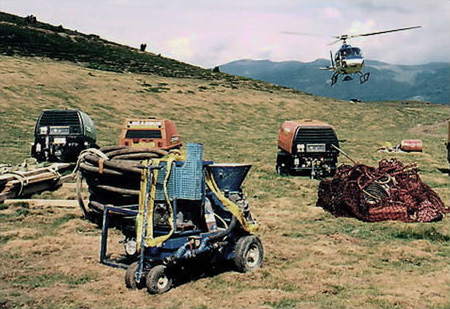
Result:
[{"x": 429, "y": 82}]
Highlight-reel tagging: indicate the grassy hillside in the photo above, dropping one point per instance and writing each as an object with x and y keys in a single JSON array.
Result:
[
  {"x": 18, "y": 36},
  {"x": 313, "y": 260}
]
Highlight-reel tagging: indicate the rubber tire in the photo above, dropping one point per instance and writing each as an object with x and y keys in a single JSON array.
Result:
[
  {"x": 247, "y": 248},
  {"x": 158, "y": 281},
  {"x": 130, "y": 281}
]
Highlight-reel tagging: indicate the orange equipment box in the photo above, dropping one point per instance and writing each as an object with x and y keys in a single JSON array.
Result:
[{"x": 150, "y": 132}]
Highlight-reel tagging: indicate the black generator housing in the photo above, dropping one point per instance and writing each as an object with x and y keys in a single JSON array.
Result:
[{"x": 60, "y": 135}]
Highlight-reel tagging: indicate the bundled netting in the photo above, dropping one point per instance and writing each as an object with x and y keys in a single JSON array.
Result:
[
  {"x": 113, "y": 176},
  {"x": 393, "y": 191}
]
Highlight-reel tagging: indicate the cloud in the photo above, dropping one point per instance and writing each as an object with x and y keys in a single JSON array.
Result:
[
  {"x": 213, "y": 32},
  {"x": 398, "y": 7},
  {"x": 361, "y": 27},
  {"x": 331, "y": 13},
  {"x": 180, "y": 47}
]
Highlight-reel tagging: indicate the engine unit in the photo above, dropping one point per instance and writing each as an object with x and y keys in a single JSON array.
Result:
[
  {"x": 308, "y": 147},
  {"x": 60, "y": 135}
]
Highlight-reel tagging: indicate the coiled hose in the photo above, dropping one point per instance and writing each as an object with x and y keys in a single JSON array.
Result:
[{"x": 113, "y": 178}]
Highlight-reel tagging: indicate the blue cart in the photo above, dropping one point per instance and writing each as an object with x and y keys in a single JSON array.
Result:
[{"x": 189, "y": 211}]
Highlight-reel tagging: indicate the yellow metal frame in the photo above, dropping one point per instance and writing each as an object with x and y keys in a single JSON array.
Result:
[{"x": 147, "y": 199}]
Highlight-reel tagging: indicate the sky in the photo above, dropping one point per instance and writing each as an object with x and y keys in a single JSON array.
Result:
[{"x": 210, "y": 33}]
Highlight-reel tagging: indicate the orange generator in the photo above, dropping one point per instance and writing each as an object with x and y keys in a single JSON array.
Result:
[
  {"x": 150, "y": 132},
  {"x": 307, "y": 146}
]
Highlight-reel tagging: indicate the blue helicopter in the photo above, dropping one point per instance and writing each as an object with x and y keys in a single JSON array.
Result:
[{"x": 348, "y": 60}]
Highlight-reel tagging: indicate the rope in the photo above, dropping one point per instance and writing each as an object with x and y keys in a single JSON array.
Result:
[
  {"x": 397, "y": 193},
  {"x": 28, "y": 165},
  {"x": 221, "y": 220},
  {"x": 22, "y": 180},
  {"x": 85, "y": 153},
  {"x": 79, "y": 198}
]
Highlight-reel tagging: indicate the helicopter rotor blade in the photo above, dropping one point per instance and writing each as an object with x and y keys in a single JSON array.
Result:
[
  {"x": 345, "y": 37},
  {"x": 336, "y": 41},
  {"x": 338, "y": 38},
  {"x": 381, "y": 32}
]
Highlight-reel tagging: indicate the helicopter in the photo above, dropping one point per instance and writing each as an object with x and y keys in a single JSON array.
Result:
[{"x": 348, "y": 60}]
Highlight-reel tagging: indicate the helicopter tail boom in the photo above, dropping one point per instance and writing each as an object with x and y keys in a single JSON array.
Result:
[
  {"x": 332, "y": 67},
  {"x": 331, "y": 59}
]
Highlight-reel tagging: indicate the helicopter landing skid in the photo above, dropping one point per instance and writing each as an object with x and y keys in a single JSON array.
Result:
[
  {"x": 363, "y": 77},
  {"x": 347, "y": 78}
]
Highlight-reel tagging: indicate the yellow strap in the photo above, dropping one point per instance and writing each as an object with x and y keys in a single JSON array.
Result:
[
  {"x": 151, "y": 241},
  {"x": 232, "y": 207},
  {"x": 142, "y": 202},
  {"x": 142, "y": 197}
]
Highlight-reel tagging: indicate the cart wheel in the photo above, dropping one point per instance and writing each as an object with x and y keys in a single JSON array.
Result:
[
  {"x": 158, "y": 281},
  {"x": 249, "y": 253},
  {"x": 130, "y": 277}
]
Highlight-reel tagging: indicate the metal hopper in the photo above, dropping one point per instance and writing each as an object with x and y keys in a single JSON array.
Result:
[{"x": 229, "y": 176}]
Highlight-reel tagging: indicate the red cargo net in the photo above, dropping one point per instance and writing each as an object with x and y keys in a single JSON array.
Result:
[{"x": 393, "y": 191}]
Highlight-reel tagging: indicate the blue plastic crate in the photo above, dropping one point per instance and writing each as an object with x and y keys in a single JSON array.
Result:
[
  {"x": 160, "y": 196},
  {"x": 189, "y": 176}
]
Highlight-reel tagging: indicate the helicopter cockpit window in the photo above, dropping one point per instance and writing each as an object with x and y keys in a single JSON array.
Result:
[
  {"x": 346, "y": 52},
  {"x": 356, "y": 51}
]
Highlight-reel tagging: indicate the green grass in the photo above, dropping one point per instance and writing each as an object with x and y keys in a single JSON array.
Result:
[
  {"x": 56, "y": 223},
  {"x": 5, "y": 238},
  {"x": 373, "y": 232},
  {"x": 20, "y": 212},
  {"x": 428, "y": 233},
  {"x": 44, "y": 222},
  {"x": 39, "y": 281}
]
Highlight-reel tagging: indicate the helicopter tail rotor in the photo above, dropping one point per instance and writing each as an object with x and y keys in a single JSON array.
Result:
[{"x": 332, "y": 64}]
